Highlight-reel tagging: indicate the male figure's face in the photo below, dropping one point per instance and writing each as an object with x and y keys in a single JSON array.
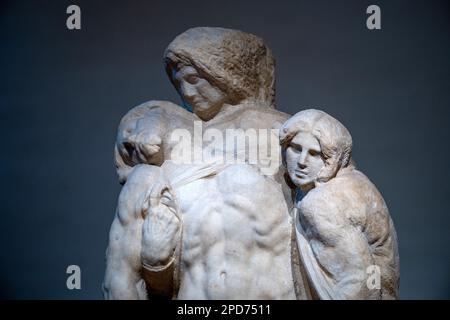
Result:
[
  {"x": 304, "y": 160},
  {"x": 205, "y": 99}
]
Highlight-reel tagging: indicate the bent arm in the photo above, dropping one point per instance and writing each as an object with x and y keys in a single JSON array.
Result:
[
  {"x": 122, "y": 277},
  {"x": 339, "y": 253},
  {"x": 124, "y": 272}
]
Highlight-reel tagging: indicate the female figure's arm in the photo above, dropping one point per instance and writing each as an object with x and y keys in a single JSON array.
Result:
[{"x": 334, "y": 249}]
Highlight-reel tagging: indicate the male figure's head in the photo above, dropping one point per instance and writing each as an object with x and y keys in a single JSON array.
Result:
[
  {"x": 315, "y": 146},
  {"x": 211, "y": 67}
]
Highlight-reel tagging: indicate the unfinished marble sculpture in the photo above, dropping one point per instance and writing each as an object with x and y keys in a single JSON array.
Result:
[
  {"x": 215, "y": 229},
  {"x": 207, "y": 208},
  {"x": 344, "y": 230}
]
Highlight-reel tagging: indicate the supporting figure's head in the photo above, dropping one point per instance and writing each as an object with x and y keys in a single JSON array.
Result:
[
  {"x": 211, "y": 67},
  {"x": 315, "y": 147}
]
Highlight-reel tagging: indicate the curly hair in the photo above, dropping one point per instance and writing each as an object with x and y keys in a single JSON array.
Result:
[{"x": 334, "y": 139}]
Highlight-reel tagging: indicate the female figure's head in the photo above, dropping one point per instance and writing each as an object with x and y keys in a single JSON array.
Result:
[
  {"x": 211, "y": 67},
  {"x": 315, "y": 146}
]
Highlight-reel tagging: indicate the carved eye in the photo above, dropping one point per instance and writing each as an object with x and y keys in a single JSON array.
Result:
[
  {"x": 297, "y": 149},
  {"x": 314, "y": 153},
  {"x": 192, "y": 79}
]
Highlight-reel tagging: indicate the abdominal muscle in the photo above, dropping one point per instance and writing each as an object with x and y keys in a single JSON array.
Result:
[{"x": 236, "y": 237}]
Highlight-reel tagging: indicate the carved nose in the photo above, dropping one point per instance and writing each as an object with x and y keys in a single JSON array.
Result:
[
  {"x": 188, "y": 92},
  {"x": 302, "y": 160}
]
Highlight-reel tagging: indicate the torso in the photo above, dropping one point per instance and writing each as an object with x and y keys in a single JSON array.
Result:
[
  {"x": 236, "y": 224},
  {"x": 236, "y": 240}
]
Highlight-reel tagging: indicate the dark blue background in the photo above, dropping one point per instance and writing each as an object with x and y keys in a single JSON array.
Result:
[{"x": 62, "y": 94}]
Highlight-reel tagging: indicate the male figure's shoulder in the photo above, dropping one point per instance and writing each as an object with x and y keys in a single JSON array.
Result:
[
  {"x": 263, "y": 117},
  {"x": 135, "y": 190}
]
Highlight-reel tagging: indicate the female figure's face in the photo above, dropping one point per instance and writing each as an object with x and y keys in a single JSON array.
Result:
[
  {"x": 304, "y": 160},
  {"x": 205, "y": 99}
]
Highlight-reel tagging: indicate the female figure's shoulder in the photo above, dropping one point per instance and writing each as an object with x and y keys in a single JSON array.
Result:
[{"x": 348, "y": 198}]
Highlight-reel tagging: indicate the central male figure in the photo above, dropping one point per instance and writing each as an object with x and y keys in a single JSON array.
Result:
[{"x": 203, "y": 231}]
